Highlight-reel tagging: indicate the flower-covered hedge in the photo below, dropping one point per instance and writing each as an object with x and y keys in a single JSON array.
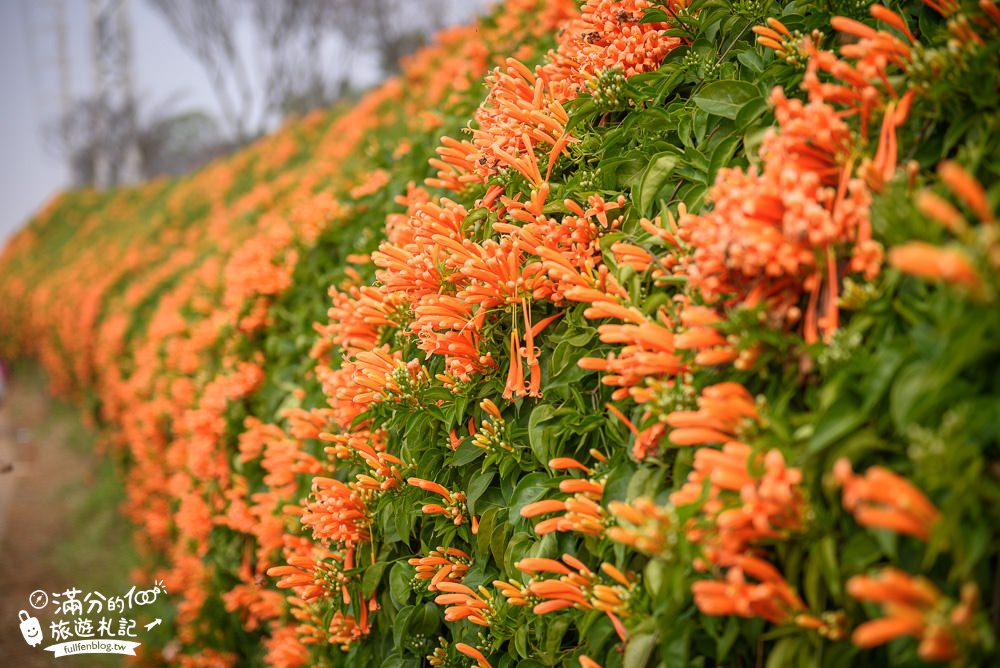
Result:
[{"x": 681, "y": 346}]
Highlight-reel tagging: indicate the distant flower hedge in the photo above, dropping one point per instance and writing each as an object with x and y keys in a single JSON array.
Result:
[{"x": 680, "y": 347}]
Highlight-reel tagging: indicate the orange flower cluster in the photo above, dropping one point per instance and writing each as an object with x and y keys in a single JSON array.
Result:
[
  {"x": 582, "y": 512},
  {"x": 952, "y": 264},
  {"x": 741, "y": 506},
  {"x": 255, "y": 604},
  {"x": 454, "y": 508},
  {"x": 739, "y": 511},
  {"x": 445, "y": 564},
  {"x": 883, "y": 500},
  {"x": 801, "y": 222},
  {"x": 649, "y": 346},
  {"x": 775, "y": 234},
  {"x": 491, "y": 435},
  {"x": 914, "y": 607},
  {"x": 650, "y": 528},
  {"x": 364, "y": 448},
  {"x": 338, "y": 512},
  {"x": 724, "y": 412},
  {"x": 284, "y": 649},
  {"x": 768, "y": 595},
  {"x": 259, "y": 270},
  {"x": 576, "y": 587},
  {"x": 611, "y": 35},
  {"x": 524, "y": 107},
  {"x": 465, "y": 603},
  {"x": 216, "y": 253}
]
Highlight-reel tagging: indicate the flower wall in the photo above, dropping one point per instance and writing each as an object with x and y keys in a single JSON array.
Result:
[{"x": 613, "y": 333}]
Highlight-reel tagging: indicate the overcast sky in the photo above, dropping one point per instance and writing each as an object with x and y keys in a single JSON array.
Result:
[
  {"x": 29, "y": 175},
  {"x": 29, "y": 88}
]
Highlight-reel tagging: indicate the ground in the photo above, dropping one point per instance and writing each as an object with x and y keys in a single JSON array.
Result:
[{"x": 59, "y": 526}]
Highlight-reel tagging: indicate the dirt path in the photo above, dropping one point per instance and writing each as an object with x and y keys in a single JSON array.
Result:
[{"x": 54, "y": 531}]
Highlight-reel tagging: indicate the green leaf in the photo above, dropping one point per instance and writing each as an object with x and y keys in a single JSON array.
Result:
[
  {"x": 639, "y": 650},
  {"x": 521, "y": 642},
  {"x": 402, "y": 621},
  {"x": 653, "y": 177},
  {"x": 750, "y": 112},
  {"x": 725, "y": 98},
  {"x": 466, "y": 453},
  {"x": 838, "y": 421},
  {"x": 400, "y": 576},
  {"x": 531, "y": 488},
  {"x": 553, "y": 638},
  {"x": 537, "y": 434},
  {"x": 726, "y": 640},
  {"x": 784, "y": 652},
  {"x": 477, "y": 486},
  {"x": 486, "y": 524},
  {"x": 373, "y": 575},
  {"x": 498, "y": 540}
]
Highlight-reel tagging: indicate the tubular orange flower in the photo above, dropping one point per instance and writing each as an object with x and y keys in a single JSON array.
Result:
[
  {"x": 882, "y": 499},
  {"x": 650, "y": 526},
  {"x": 535, "y": 565},
  {"x": 445, "y": 564},
  {"x": 742, "y": 506},
  {"x": 338, "y": 512},
  {"x": 454, "y": 509},
  {"x": 941, "y": 211},
  {"x": 966, "y": 188},
  {"x": 430, "y": 486},
  {"x": 473, "y": 653},
  {"x": 543, "y": 507},
  {"x": 771, "y": 598},
  {"x": 583, "y": 512},
  {"x": 576, "y": 587},
  {"x": 464, "y": 603},
  {"x": 925, "y": 260},
  {"x": 913, "y": 607},
  {"x": 561, "y": 463}
]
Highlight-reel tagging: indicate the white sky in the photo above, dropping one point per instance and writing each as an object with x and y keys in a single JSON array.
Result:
[
  {"x": 29, "y": 90},
  {"x": 29, "y": 174}
]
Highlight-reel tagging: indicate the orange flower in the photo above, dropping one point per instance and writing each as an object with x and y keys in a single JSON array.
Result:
[
  {"x": 723, "y": 412},
  {"x": 769, "y": 235},
  {"x": 925, "y": 260},
  {"x": 742, "y": 506},
  {"x": 651, "y": 526},
  {"x": 583, "y": 512},
  {"x": 313, "y": 576},
  {"x": 337, "y": 513},
  {"x": 474, "y": 653},
  {"x": 562, "y": 463},
  {"x": 576, "y": 587},
  {"x": 445, "y": 564},
  {"x": 770, "y": 598},
  {"x": 776, "y": 36},
  {"x": 345, "y": 630},
  {"x": 884, "y": 500},
  {"x": 284, "y": 649},
  {"x": 454, "y": 508},
  {"x": 913, "y": 607},
  {"x": 464, "y": 603}
]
